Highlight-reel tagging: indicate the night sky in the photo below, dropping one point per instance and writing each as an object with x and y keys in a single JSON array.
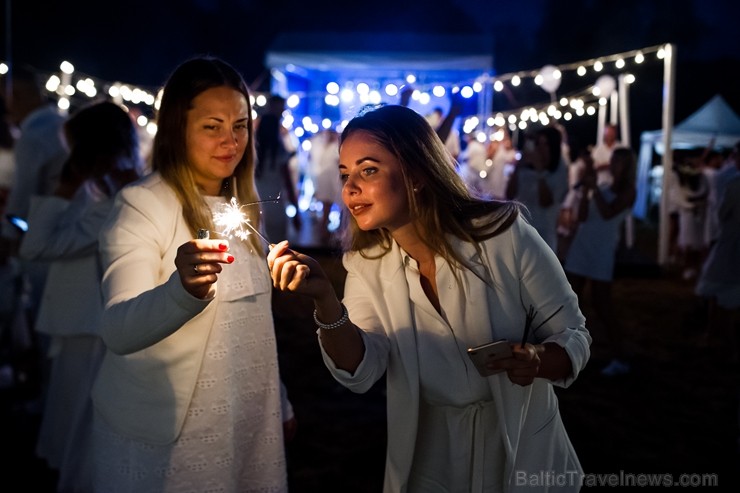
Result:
[{"x": 140, "y": 42}]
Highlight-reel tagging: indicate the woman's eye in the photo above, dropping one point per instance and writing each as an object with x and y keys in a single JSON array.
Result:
[
  {"x": 343, "y": 177},
  {"x": 370, "y": 171}
]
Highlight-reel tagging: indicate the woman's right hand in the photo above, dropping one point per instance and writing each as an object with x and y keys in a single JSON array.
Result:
[
  {"x": 199, "y": 262},
  {"x": 296, "y": 272}
]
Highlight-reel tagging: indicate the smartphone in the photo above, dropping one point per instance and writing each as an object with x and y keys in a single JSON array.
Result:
[
  {"x": 480, "y": 355},
  {"x": 18, "y": 222}
]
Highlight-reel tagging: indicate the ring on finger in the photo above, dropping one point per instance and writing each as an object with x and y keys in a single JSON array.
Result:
[{"x": 195, "y": 268}]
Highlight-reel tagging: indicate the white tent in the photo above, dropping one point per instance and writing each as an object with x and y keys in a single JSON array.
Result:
[{"x": 715, "y": 119}]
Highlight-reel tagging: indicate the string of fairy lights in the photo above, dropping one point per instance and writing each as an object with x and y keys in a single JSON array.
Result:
[{"x": 70, "y": 85}]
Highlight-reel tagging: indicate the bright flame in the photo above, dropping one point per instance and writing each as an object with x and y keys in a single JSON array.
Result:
[{"x": 232, "y": 219}]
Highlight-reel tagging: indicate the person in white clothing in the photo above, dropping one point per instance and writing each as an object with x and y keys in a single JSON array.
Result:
[
  {"x": 719, "y": 280},
  {"x": 433, "y": 271},
  {"x": 602, "y": 153},
  {"x": 63, "y": 230},
  {"x": 39, "y": 153},
  {"x": 324, "y": 158},
  {"x": 591, "y": 256},
  {"x": 188, "y": 397},
  {"x": 540, "y": 182}
]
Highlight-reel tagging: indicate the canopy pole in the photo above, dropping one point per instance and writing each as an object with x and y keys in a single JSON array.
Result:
[
  {"x": 613, "y": 105},
  {"x": 669, "y": 76},
  {"x": 8, "y": 51},
  {"x": 629, "y": 221}
]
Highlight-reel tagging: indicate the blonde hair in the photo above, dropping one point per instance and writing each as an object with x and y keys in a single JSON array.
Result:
[{"x": 169, "y": 151}]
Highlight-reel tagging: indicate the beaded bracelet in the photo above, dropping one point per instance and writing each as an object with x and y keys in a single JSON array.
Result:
[{"x": 342, "y": 320}]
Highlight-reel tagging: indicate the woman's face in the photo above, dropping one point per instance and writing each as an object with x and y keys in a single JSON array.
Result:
[
  {"x": 216, "y": 136},
  {"x": 373, "y": 187}
]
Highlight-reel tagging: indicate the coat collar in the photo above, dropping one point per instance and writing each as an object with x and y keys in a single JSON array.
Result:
[{"x": 396, "y": 259}]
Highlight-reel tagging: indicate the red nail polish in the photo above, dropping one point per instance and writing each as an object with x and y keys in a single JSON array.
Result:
[
  {"x": 230, "y": 258},
  {"x": 222, "y": 247}
]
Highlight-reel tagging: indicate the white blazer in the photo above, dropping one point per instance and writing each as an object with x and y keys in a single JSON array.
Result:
[
  {"x": 155, "y": 331},
  {"x": 517, "y": 260}
]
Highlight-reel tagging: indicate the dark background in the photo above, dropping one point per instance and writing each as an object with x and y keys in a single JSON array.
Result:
[
  {"x": 141, "y": 41},
  {"x": 678, "y": 412}
]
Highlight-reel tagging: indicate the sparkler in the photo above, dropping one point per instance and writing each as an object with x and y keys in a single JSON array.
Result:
[{"x": 232, "y": 219}]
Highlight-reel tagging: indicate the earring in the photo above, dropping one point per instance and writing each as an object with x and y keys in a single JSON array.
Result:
[{"x": 416, "y": 189}]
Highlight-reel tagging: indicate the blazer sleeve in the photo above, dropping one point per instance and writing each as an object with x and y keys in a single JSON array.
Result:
[
  {"x": 144, "y": 299},
  {"x": 359, "y": 299},
  {"x": 544, "y": 285}
]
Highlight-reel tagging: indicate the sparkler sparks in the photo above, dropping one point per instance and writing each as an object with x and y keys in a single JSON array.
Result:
[{"x": 233, "y": 221}]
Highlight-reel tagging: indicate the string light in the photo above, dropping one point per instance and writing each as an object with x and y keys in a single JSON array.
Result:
[{"x": 66, "y": 89}]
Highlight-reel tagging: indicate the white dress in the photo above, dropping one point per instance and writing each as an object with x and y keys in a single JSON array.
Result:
[
  {"x": 544, "y": 219},
  {"x": 459, "y": 446},
  {"x": 592, "y": 253},
  {"x": 232, "y": 438},
  {"x": 720, "y": 275},
  {"x": 325, "y": 168},
  {"x": 64, "y": 234}
]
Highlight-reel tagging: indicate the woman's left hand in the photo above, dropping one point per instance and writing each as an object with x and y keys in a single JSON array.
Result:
[{"x": 524, "y": 366}]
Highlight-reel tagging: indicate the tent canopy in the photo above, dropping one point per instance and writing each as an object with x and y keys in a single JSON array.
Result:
[
  {"x": 304, "y": 63},
  {"x": 441, "y": 57},
  {"x": 715, "y": 119}
]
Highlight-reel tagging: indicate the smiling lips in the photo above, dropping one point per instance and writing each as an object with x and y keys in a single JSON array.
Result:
[{"x": 358, "y": 208}]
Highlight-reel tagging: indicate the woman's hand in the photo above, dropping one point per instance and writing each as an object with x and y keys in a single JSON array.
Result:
[
  {"x": 523, "y": 367},
  {"x": 296, "y": 272},
  {"x": 199, "y": 262}
]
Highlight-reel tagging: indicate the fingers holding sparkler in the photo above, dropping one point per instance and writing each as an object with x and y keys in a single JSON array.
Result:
[
  {"x": 199, "y": 262},
  {"x": 294, "y": 271}
]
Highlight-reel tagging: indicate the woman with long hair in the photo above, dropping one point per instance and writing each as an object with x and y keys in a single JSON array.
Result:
[
  {"x": 432, "y": 273},
  {"x": 188, "y": 397}
]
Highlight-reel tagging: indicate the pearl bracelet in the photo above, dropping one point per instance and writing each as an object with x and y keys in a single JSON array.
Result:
[{"x": 342, "y": 320}]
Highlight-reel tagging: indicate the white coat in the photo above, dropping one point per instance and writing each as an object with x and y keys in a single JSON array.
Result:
[
  {"x": 154, "y": 330},
  {"x": 516, "y": 261}
]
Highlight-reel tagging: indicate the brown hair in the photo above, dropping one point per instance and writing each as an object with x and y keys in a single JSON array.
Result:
[{"x": 442, "y": 203}]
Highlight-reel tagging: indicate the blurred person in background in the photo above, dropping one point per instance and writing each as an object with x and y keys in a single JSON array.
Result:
[{"x": 63, "y": 230}]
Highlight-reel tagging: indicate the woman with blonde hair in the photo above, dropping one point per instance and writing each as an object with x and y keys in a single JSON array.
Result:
[{"x": 188, "y": 397}]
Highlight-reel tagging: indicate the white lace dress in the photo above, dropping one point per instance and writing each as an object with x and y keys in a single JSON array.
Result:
[{"x": 232, "y": 439}]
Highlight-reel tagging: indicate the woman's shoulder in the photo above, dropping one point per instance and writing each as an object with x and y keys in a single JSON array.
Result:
[
  {"x": 369, "y": 261},
  {"x": 147, "y": 186},
  {"x": 512, "y": 235}
]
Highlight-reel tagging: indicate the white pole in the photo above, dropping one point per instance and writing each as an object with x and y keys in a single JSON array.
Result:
[
  {"x": 8, "y": 51},
  {"x": 614, "y": 98},
  {"x": 669, "y": 76},
  {"x": 624, "y": 132},
  {"x": 624, "y": 127},
  {"x": 601, "y": 124}
]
